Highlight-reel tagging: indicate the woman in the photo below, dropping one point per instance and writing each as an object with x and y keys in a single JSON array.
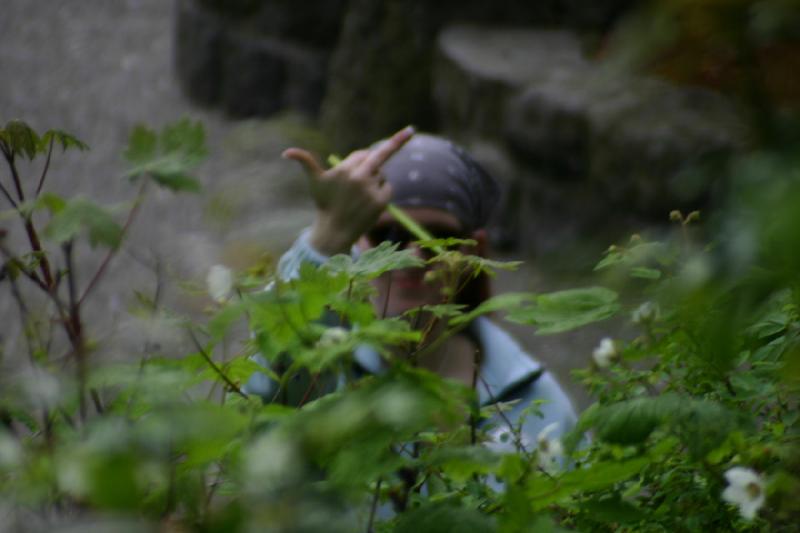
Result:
[{"x": 444, "y": 190}]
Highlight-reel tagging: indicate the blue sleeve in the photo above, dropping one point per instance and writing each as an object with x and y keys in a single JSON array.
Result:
[{"x": 300, "y": 252}]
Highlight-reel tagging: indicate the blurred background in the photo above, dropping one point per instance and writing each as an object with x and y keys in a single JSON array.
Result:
[{"x": 599, "y": 119}]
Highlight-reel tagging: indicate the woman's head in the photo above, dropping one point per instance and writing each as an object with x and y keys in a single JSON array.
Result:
[
  {"x": 439, "y": 185},
  {"x": 429, "y": 171}
]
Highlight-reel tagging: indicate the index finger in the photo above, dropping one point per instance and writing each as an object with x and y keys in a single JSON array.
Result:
[{"x": 379, "y": 155}]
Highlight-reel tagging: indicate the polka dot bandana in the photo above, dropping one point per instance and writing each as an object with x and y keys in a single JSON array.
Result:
[{"x": 429, "y": 171}]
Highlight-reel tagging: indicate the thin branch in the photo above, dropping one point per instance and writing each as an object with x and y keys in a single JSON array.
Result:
[
  {"x": 46, "y": 167},
  {"x": 15, "y": 175},
  {"x": 517, "y": 439},
  {"x": 98, "y": 404},
  {"x": 112, "y": 252},
  {"x": 33, "y": 237},
  {"x": 311, "y": 387},
  {"x": 214, "y": 366},
  {"x": 74, "y": 328},
  {"x": 374, "y": 505},
  {"x": 473, "y": 417},
  {"x": 24, "y": 314}
]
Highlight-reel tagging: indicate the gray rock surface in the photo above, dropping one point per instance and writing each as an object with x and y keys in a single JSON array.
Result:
[
  {"x": 581, "y": 140},
  {"x": 478, "y": 69},
  {"x": 628, "y": 136}
]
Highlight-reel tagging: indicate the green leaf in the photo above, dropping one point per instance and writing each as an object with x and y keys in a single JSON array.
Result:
[
  {"x": 374, "y": 262},
  {"x": 63, "y": 138},
  {"x": 169, "y": 156},
  {"x": 510, "y": 302},
  {"x": 438, "y": 311},
  {"x": 542, "y": 491},
  {"x": 221, "y": 322},
  {"x": 20, "y": 138},
  {"x": 612, "y": 510},
  {"x": 645, "y": 273},
  {"x": 436, "y": 518},
  {"x": 462, "y": 463},
  {"x": 569, "y": 309},
  {"x": 80, "y": 214},
  {"x": 702, "y": 425}
]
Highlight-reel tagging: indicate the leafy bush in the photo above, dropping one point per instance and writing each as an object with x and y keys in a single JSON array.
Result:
[{"x": 695, "y": 425}]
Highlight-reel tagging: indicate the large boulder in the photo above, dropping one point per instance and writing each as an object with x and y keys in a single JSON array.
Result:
[
  {"x": 581, "y": 140},
  {"x": 381, "y": 71},
  {"x": 479, "y": 69},
  {"x": 631, "y": 138}
]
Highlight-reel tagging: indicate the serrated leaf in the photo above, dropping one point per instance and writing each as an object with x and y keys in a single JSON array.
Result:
[
  {"x": 220, "y": 323},
  {"x": 240, "y": 369},
  {"x": 701, "y": 425},
  {"x": 20, "y": 138},
  {"x": 438, "y": 311},
  {"x": 62, "y": 138},
  {"x": 374, "y": 262},
  {"x": 560, "y": 311},
  {"x": 510, "y": 302},
  {"x": 542, "y": 491},
  {"x": 167, "y": 157},
  {"x": 462, "y": 463},
  {"x": 81, "y": 214}
]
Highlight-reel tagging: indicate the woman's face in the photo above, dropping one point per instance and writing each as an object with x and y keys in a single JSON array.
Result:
[{"x": 401, "y": 290}]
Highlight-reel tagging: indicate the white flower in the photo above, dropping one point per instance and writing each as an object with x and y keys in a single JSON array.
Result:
[
  {"x": 550, "y": 451},
  {"x": 745, "y": 490},
  {"x": 332, "y": 337},
  {"x": 646, "y": 312},
  {"x": 503, "y": 440},
  {"x": 604, "y": 353},
  {"x": 220, "y": 283}
]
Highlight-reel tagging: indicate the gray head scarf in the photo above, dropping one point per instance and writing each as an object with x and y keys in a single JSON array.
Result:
[{"x": 429, "y": 171}]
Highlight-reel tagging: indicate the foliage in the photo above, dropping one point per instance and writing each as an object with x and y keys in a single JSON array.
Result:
[{"x": 706, "y": 381}]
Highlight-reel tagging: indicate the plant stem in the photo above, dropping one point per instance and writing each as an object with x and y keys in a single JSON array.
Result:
[
  {"x": 46, "y": 167},
  {"x": 112, "y": 252},
  {"x": 10, "y": 158},
  {"x": 74, "y": 328},
  {"x": 214, "y": 366},
  {"x": 374, "y": 506}
]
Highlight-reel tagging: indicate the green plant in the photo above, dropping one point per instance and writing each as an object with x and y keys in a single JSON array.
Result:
[{"x": 701, "y": 394}]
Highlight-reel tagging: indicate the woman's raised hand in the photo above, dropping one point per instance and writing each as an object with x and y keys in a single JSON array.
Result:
[{"x": 349, "y": 196}]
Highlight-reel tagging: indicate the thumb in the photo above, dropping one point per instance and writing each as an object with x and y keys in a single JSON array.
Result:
[{"x": 306, "y": 159}]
